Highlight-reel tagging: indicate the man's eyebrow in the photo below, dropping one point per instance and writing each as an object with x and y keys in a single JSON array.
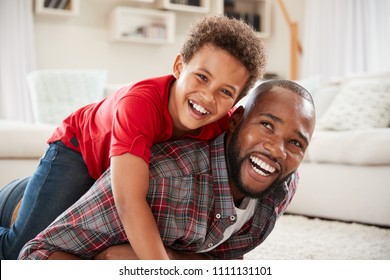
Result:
[
  {"x": 273, "y": 117},
  {"x": 279, "y": 120},
  {"x": 302, "y": 136}
]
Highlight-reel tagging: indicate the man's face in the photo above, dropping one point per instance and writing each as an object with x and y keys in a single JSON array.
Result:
[{"x": 269, "y": 143}]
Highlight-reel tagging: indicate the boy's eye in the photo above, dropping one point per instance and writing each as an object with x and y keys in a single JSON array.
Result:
[
  {"x": 226, "y": 92},
  {"x": 203, "y": 77}
]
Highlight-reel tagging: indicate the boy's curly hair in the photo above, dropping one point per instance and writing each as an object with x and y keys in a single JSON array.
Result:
[{"x": 233, "y": 36}]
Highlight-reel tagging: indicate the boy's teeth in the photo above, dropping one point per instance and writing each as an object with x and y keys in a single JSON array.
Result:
[
  {"x": 198, "y": 108},
  {"x": 261, "y": 167}
]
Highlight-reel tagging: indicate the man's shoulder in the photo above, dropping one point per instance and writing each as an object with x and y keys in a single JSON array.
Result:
[{"x": 182, "y": 157}]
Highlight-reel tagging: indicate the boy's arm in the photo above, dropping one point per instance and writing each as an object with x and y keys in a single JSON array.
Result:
[{"x": 130, "y": 184}]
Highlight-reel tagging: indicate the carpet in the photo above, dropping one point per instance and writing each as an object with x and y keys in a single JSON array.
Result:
[{"x": 300, "y": 238}]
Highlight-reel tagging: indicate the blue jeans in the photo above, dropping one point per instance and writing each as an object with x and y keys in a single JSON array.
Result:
[{"x": 60, "y": 179}]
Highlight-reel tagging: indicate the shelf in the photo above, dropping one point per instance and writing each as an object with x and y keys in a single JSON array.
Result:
[
  {"x": 255, "y": 12},
  {"x": 64, "y": 8},
  {"x": 192, "y": 6},
  {"x": 142, "y": 25}
]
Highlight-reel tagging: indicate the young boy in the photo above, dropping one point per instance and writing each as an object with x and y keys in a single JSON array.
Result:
[{"x": 220, "y": 61}]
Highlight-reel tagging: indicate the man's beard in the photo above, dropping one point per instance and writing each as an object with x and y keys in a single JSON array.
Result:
[{"x": 235, "y": 162}]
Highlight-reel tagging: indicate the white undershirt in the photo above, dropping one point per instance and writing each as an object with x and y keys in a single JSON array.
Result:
[{"x": 244, "y": 213}]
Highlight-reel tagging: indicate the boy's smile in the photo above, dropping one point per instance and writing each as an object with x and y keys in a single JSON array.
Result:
[
  {"x": 207, "y": 87},
  {"x": 197, "y": 109}
]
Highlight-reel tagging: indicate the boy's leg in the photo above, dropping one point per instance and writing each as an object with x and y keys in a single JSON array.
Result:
[
  {"x": 10, "y": 196},
  {"x": 60, "y": 179}
]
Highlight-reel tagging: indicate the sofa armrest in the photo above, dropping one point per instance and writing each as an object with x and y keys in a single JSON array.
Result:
[{"x": 23, "y": 140}]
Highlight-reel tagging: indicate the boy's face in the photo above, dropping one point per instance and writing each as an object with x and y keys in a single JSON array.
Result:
[
  {"x": 207, "y": 87},
  {"x": 267, "y": 145}
]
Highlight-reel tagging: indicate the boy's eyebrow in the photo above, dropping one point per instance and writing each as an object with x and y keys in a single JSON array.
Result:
[{"x": 279, "y": 120}]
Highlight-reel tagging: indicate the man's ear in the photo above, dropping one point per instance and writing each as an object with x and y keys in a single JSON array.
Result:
[
  {"x": 236, "y": 118},
  {"x": 177, "y": 66}
]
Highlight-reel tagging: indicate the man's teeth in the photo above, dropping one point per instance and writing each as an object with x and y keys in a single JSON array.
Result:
[
  {"x": 261, "y": 167},
  {"x": 199, "y": 108}
]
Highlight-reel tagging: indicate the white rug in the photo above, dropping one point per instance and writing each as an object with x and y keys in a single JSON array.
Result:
[{"x": 300, "y": 238}]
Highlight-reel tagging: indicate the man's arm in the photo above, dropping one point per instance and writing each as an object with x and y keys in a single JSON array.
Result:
[{"x": 84, "y": 229}]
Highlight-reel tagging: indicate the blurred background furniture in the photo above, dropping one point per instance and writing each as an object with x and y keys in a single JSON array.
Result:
[
  {"x": 346, "y": 172},
  {"x": 55, "y": 93}
]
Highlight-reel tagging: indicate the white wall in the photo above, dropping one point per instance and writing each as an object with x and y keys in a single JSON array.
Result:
[
  {"x": 278, "y": 44},
  {"x": 83, "y": 42}
]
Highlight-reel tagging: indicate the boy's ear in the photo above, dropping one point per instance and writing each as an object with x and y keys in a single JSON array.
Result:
[
  {"x": 236, "y": 118},
  {"x": 177, "y": 66}
]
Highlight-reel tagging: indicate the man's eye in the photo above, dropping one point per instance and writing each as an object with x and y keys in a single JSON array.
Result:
[
  {"x": 296, "y": 143},
  {"x": 267, "y": 125}
]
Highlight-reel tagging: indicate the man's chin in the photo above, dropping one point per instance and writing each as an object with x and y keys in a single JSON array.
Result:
[{"x": 249, "y": 192}]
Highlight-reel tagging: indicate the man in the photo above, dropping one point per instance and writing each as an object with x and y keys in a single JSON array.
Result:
[{"x": 217, "y": 199}]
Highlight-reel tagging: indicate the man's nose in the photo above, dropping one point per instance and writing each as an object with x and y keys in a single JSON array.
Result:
[{"x": 276, "y": 148}]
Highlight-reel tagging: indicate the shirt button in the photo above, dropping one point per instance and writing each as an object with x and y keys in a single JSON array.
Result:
[
  {"x": 232, "y": 218},
  {"x": 210, "y": 245},
  {"x": 218, "y": 216}
]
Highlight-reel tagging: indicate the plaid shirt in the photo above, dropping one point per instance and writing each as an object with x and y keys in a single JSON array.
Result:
[{"x": 190, "y": 198}]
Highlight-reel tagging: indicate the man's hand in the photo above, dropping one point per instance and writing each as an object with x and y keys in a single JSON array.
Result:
[
  {"x": 61, "y": 255},
  {"x": 125, "y": 252},
  {"x": 177, "y": 255},
  {"x": 117, "y": 252}
]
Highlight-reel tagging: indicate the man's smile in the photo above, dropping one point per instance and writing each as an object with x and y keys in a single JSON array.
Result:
[{"x": 261, "y": 167}]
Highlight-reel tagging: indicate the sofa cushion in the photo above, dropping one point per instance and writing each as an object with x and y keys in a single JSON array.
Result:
[
  {"x": 323, "y": 97},
  {"x": 23, "y": 140},
  {"x": 357, "y": 147},
  {"x": 360, "y": 103}
]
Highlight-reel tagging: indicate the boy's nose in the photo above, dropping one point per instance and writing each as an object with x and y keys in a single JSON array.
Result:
[{"x": 208, "y": 96}]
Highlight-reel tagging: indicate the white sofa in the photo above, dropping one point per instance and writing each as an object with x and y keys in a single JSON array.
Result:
[
  {"x": 21, "y": 146},
  {"x": 346, "y": 171},
  {"x": 55, "y": 93},
  {"x": 345, "y": 175}
]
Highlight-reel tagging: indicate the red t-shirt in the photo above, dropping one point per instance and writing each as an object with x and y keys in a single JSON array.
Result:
[{"x": 129, "y": 121}]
